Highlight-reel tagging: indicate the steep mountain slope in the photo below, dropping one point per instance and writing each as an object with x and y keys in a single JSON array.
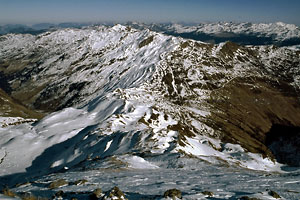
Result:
[
  {"x": 129, "y": 99},
  {"x": 70, "y": 67}
]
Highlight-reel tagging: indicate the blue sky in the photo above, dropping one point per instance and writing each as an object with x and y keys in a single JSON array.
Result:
[{"x": 36, "y": 11}]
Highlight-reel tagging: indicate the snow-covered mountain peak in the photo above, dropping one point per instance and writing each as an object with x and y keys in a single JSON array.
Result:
[
  {"x": 119, "y": 27},
  {"x": 287, "y": 26},
  {"x": 82, "y": 56}
]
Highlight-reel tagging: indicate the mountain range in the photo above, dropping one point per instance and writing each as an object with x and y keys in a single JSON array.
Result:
[
  {"x": 279, "y": 34},
  {"x": 104, "y": 103}
]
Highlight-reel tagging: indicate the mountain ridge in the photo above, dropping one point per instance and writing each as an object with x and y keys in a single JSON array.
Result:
[
  {"x": 245, "y": 33},
  {"x": 129, "y": 97}
]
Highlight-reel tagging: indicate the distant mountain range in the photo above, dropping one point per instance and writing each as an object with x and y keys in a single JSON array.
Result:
[
  {"x": 40, "y": 28},
  {"x": 279, "y": 33}
]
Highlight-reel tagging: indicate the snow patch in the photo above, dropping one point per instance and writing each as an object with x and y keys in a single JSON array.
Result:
[
  {"x": 137, "y": 162},
  {"x": 205, "y": 148},
  {"x": 108, "y": 145}
]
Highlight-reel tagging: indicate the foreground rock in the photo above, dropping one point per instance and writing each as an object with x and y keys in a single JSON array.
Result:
[
  {"x": 115, "y": 194},
  {"x": 58, "y": 183},
  {"x": 173, "y": 194}
]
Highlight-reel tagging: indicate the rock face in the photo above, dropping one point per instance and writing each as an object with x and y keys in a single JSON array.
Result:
[{"x": 164, "y": 94}]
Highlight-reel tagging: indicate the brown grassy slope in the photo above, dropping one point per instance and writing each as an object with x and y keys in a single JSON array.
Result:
[
  {"x": 251, "y": 107},
  {"x": 11, "y": 108}
]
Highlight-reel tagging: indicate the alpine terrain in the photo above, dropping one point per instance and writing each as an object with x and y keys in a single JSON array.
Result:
[
  {"x": 278, "y": 33},
  {"x": 119, "y": 112}
]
